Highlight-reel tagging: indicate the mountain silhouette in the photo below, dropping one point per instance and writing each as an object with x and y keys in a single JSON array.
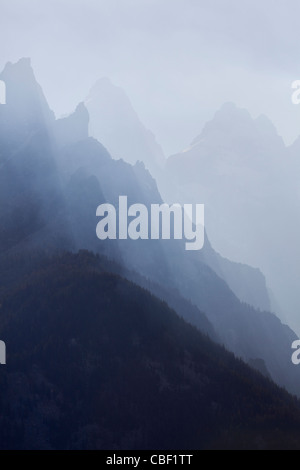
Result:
[
  {"x": 99, "y": 363},
  {"x": 50, "y": 188}
]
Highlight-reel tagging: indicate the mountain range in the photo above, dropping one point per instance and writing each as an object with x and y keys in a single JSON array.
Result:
[
  {"x": 248, "y": 179},
  {"x": 96, "y": 362},
  {"x": 53, "y": 176}
]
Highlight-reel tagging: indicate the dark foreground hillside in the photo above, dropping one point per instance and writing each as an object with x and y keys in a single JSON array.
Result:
[{"x": 95, "y": 362}]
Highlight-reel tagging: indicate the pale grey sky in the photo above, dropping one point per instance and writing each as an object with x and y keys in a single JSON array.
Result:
[{"x": 178, "y": 60}]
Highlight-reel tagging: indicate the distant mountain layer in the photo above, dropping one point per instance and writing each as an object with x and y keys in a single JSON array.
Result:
[
  {"x": 96, "y": 362},
  {"x": 114, "y": 122},
  {"x": 247, "y": 283},
  {"x": 116, "y": 125},
  {"x": 241, "y": 170}
]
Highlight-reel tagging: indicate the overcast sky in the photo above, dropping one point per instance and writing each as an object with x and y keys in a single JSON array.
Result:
[{"x": 178, "y": 60}]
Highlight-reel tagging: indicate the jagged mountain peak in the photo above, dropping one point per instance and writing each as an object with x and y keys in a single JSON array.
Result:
[
  {"x": 106, "y": 94},
  {"x": 115, "y": 123},
  {"x": 232, "y": 125},
  {"x": 105, "y": 82},
  {"x": 23, "y": 66},
  {"x": 226, "y": 120},
  {"x": 80, "y": 113},
  {"x": 25, "y": 100},
  {"x": 230, "y": 109}
]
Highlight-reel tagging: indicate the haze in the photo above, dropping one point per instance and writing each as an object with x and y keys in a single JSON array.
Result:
[{"x": 178, "y": 60}]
